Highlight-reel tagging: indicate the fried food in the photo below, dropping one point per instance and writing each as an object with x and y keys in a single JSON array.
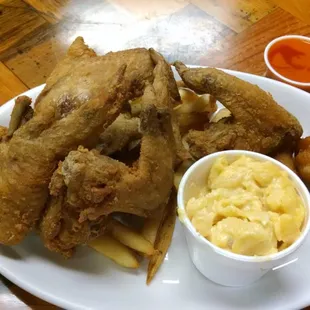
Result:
[
  {"x": 195, "y": 111},
  {"x": 92, "y": 186},
  {"x": 258, "y": 123},
  {"x": 286, "y": 157},
  {"x": 3, "y": 132},
  {"x": 65, "y": 116},
  {"x": 181, "y": 152},
  {"x": 21, "y": 107},
  {"x": 115, "y": 250},
  {"x": 119, "y": 134},
  {"x": 130, "y": 238},
  {"x": 303, "y": 159},
  {"x": 179, "y": 173},
  {"x": 151, "y": 227},
  {"x": 114, "y": 125},
  {"x": 163, "y": 238},
  {"x": 222, "y": 113}
]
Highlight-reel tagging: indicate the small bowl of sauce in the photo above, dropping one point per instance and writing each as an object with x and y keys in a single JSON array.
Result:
[{"x": 288, "y": 60}]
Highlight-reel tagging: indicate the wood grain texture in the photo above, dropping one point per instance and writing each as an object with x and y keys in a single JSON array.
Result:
[
  {"x": 244, "y": 52},
  {"x": 298, "y": 8},
  {"x": 35, "y": 64},
  {"x": 237, "y": 15},
  {"x": 18, "y": 23},
  {"x": 10, "y": 85},
  {"x": 51, "y": 10}
]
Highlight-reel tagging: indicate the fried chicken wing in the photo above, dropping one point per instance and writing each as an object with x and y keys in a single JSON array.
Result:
[
  {"x": 21, "y": 107},
  {"x": 90, "y": 186},
  {"x": 258, "y": 123},
  {"x": 181, "y": 152},
  {"x": 83, "y": 95},
  {"x": 286, "y": 157}
]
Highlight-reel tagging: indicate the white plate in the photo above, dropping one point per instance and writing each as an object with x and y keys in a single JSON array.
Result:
[{"x": 89, "y": 281}]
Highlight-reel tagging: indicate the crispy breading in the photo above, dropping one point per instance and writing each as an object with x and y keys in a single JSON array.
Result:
[
  {"x": 91, "y": 186},
  {"x": 84, "y": 94},
  {"x": 258, "y": 123}
]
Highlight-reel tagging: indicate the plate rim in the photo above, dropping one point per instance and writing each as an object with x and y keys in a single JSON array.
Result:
[{"x": 61, "y": 302}]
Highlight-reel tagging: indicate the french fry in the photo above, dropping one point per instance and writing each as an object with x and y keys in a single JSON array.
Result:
[
  {"x": 191, "y": 102},
  {"x": 151, "y": 227},
  {"x": 129, "y": 237},
  {"x": 163, "y": 239},
  {"x": 194, "y": 111},
  {"x": 115, "y": 250},
  {"x": 223, "y": 113},
  {"x": 287, "y": 158},
  {"x": 180, "y": 172}
]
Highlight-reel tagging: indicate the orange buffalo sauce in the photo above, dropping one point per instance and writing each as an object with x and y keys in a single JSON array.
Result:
[{"x": 291, "y": 58}]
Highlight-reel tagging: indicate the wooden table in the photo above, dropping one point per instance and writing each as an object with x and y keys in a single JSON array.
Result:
[{"x": 224, "y": 33}]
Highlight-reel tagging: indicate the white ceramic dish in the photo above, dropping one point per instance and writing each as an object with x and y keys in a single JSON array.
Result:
[
  {"x": 89, "y": 281},
  {"x": 216, "y": 264}
]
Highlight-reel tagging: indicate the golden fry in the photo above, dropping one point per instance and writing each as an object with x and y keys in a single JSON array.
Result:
[
  {"x": 115, "y": 250},
  {"x": 150, "y": 229},
  {"x": 180, "y": 172},
  {"x": 194, "y": 111},
  {"x": 163, "y": 239},
  {"x": 286, "y": 158},
  {"x": 223, "y": 113},
  {"x": 303, "y": 159},
  {"x": 129, "y": 237}
]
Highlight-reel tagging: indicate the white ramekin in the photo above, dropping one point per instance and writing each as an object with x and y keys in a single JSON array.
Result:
[
  {"x": 217, "y": 264},
  {"x": 272, "y": 73}
]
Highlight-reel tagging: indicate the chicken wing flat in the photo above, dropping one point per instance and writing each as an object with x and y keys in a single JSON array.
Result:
[
  {"x": 258, "y": 123},
  {"x": 89, "y": 186},
  {"x": 83, "y": 95}
]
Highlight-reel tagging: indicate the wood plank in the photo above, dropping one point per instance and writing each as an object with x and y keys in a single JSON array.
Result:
[
  {"x": 51, "y": 10},
  {"x": 298, "y": 8},
  {"x": 244, "y": 52},
  {"x": 10, "y": 85},
  {"x": 237, "y": 15},
  {"x": 18, "y": 24},
  {"x": 13, "y": 3},
  {"x": 35, "y": 65}
]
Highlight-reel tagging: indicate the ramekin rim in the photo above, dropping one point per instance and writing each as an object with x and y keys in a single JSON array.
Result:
[
  {"x": 269, "y": 66},
  {"x": 238, "y": 257}
]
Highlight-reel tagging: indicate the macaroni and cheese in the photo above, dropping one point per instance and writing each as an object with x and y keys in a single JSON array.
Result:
[{"x": 248, "y": 207}]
